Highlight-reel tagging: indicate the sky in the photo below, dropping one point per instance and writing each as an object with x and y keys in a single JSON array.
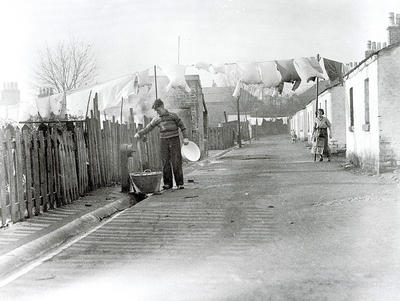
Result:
[{"x": 131, "y": 35}]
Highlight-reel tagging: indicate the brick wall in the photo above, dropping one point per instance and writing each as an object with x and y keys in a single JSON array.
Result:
[
  {"x": 389, "y": 107},
  {"x": 393, "y": 34}
]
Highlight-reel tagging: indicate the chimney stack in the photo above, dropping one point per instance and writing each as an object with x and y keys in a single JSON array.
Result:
[
  {"x": 369, "y": 50},
  {"x": 391, "y": 19},
  {"x": 394, "y": 28}
]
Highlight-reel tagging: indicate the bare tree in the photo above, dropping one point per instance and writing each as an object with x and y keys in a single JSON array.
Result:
[{"x": 68, "y": 66}]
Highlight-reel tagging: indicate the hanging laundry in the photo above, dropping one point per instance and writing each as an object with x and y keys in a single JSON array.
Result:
[
  {"x": 217, "y": 68},
  {"x": 308, "y": 68},
  {"x": 289, "y": 74},
  {"x": 232, "y": 74},
  {"x": 142, "y": 79},
  {"x": 202, "y": 66},
  {"x": 334, "y": 69},
  {"x": 57, "y": 104},
  {"x": 250, "y": 73},
  {"x": 270, "y": 75},
  {"x": 221, "y": 80},
  {"x": 109, "y": 94},
  {"x": 43, "y": 106},
  {"x": 176, "y": 76},
  {"x": 46, "y": 105}
]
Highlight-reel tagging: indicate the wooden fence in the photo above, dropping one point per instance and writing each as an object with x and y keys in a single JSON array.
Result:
[
  {"x": 221, "y": 137},
  {"x": 44, "y": 169},
  {"x": 226, "y": 136}
]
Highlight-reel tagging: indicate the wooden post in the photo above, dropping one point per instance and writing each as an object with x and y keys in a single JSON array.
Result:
[
  {"x": 316, "y": 99},
  {"x": 256, "y": 127},
  {"x": 155, "y": 80},
  {"x": 316, "y": 103},
  {"x": 27, "y": 170},
  {"x": 36, "y": 176},
  {"x": 87, "y": 107},
  {"x": 19, "y": 174},
  {"x": 3, "y": 202},
  {"x": 238, "y": 119},
  {"x": 122, "y": 105}
]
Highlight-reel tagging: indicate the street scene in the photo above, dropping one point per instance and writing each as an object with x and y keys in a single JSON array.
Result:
[
  {"x": 258, "y": 223},
  {"x": 199, "y": 150}
]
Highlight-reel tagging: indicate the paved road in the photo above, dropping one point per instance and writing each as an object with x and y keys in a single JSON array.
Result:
[{"x": 261, "y": 223}]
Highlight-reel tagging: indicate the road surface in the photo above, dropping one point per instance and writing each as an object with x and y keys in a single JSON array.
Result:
[{"x": 263, "y": 222}]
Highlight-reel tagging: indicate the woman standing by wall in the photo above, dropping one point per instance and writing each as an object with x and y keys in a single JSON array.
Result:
[{"x": 320, "y": 136}]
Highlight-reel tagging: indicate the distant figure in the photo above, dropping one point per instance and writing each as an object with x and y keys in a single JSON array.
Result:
[
  {"x": 294, "y": 136},
  {"x": 320, "y": 136},
  {"x": 170, "y": 147}
]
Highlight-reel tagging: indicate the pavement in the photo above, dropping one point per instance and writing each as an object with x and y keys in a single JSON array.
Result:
[
  {"x": 23, "y": 242},
  {"x": 263, "y": 222}
]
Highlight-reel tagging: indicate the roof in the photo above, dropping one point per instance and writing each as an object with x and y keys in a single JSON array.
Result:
[
  {"x": 376, "y": 53},
  {"x": 309, "y": 95},
  {"x": 217, "y": 94}
]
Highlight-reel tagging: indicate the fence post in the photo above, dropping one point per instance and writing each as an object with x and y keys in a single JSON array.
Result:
[
  {"x": 19, "y": 175},
  {"x": 11, "y": 177},
  {"x": 3, "y": 199}
]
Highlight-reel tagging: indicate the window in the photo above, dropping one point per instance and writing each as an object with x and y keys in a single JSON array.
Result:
[
  {"x": 366, "y": 100},
  {"x": 351, "y": 109}
]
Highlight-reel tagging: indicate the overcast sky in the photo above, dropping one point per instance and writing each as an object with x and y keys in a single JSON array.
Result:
[{"x": 129, "y": 36}]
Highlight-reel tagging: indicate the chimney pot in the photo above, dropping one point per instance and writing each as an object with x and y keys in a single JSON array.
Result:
[
  {"x": 384, "y": 44},
  {"x": 374, "y": 46},
  {"x": 391, "y": 18},
  {"x": 369, "y": 45},
  {"x": 378, "y": 46},
  {"x": 397, "y": 19}
]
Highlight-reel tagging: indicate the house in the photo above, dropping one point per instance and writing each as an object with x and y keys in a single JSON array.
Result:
[
  {"x": 191, "y": 108},
  {"x": 373, "y": 106},
  {"x": 331, "y": 98},
  {"x": 219, "y": 100}
]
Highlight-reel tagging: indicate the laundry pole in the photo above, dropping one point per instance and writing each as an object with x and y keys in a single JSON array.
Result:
[
  {"x": 316, "y": 99},
  {"x": 155, "y": 80},
  {"x": 239, "y": 137},
  {"x": 179, "y": 48}
]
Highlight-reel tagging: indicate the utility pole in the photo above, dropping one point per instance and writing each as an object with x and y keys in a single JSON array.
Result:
[
  {"x": 179, "y": 47},
  {"x": 316, "y": 100},
  {"x": 238, "y": 119},
  {"x": 155, "y": 79}
]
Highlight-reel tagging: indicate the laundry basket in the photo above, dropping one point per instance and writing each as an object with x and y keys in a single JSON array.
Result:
[{"x": 147, "y": 181}]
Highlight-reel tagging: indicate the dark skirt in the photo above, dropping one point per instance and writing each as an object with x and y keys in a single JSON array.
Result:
[
  {"x": 323, "y": 134},
  {"x": 320, "y": 142}
]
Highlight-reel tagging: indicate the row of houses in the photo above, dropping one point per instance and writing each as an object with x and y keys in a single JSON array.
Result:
[{"x": 364, "y": 109}]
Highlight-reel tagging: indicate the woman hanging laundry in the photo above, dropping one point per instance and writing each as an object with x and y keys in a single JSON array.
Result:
[{"x": 320, "y": 136}]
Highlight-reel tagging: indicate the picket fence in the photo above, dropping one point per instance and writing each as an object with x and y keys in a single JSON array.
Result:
[{"x": 41, "y": 170}]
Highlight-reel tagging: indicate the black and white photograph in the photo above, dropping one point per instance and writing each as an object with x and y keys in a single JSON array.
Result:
[{"x": 200, "y": 150}]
